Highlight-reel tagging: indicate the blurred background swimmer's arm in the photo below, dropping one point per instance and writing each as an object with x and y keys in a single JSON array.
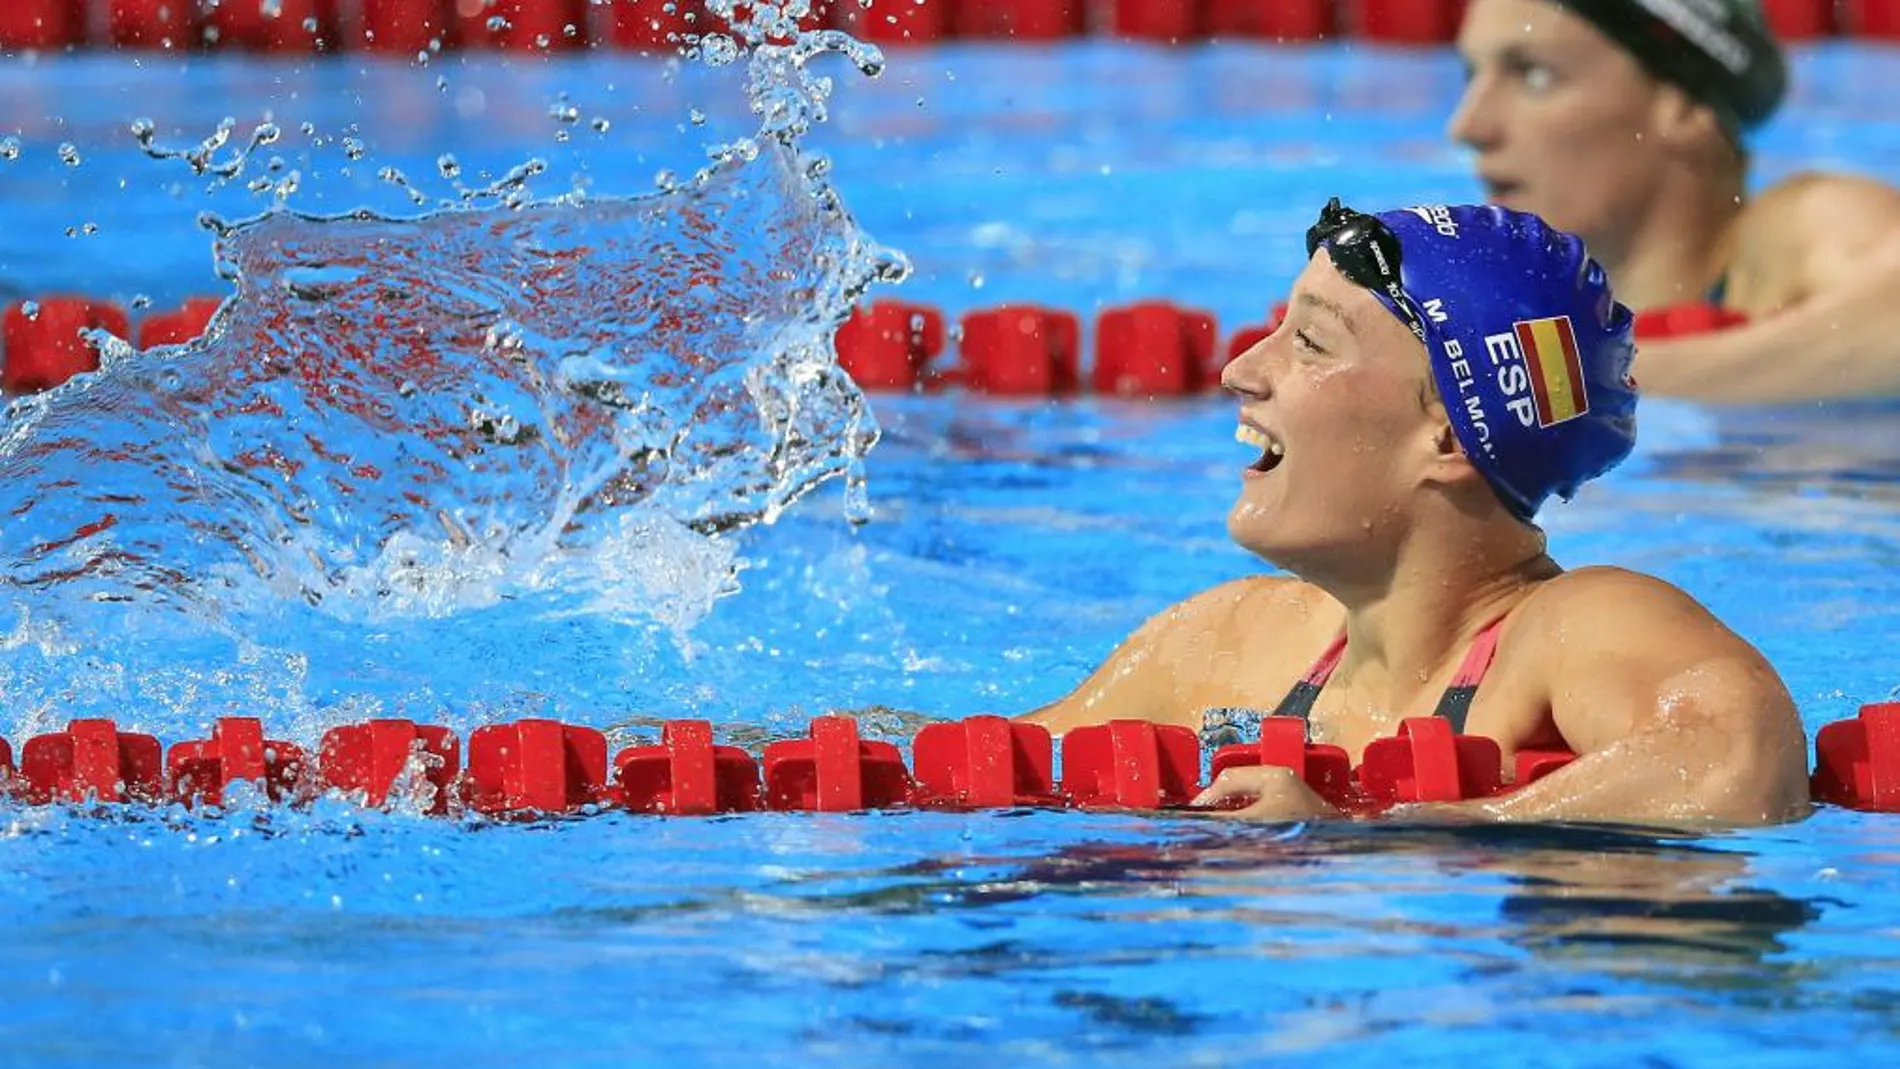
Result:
[
  {"x": 1185, "y": 659},
  {"x": 1817, "y": 269}
]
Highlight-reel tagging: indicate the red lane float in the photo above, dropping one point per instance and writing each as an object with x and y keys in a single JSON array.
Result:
[
  {"x": 1425, "y": 762},
  {"x": 1020, "y": 351},
  {"x": 888, "y": 345},
  {"x": 1131, "y": 764},
  {"x": 237, "y": 752},
  {"x": 535, "y": 766},
  {"x": 1407, "y": 22},
  {"x": 1871, "y": 18},
  {"x": 179, "y": 325},
  {"x": 523, "y": 25},
  {"x": 1800, "y": 20},
  {"x": 1857, "y": 762},
  {"x": 984, "y": 762},
  {"x": 42, "y": 25},
  {"x": 1154, "y": 349},
  {"x": 834, "y": 771},
  {"x": 91, "y": 761},
  {"x": 43, "y": 348},
  {"x": 895, "y": 22},
  {"x": 1270, "y": 20},
  {"x": 1039, "y": 21},
  {"x": 277, "y": 25},
  {"x": 156, "y": 24},
  {"x": 651, "y": 26},
  {"x": 1326, "y": 769},
  {"x": 1683, "y": 320},
  {"x": 1164, "y": 21},
  {"x": 407, "y": 27},
  {"x": 375, "y": 758},
  {"x": 686, "y": 775}
]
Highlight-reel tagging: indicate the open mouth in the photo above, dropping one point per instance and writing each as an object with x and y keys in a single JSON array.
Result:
[
  {"x": 1271, "y": 451},
  {"x": 1497, "y": 190}
]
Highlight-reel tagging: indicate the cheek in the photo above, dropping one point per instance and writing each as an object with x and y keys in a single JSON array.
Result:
[{"x": 1586, "y": 155}]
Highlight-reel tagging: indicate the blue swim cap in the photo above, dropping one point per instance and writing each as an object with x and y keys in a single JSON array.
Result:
[{"x": 1530, "y": 349}]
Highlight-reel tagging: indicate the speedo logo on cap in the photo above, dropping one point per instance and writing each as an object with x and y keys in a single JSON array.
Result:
[
  {"x": 1438, "y": 217},
  {"x": 1705, "y": 24}
]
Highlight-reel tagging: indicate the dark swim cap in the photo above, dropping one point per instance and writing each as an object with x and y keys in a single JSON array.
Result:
[
  {"x": 1720, "y": 52},
  {"x": 1530, "y": 350}
]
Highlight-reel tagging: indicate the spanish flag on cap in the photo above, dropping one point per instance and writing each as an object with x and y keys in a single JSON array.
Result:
[{"x": 1550, "y": 351}]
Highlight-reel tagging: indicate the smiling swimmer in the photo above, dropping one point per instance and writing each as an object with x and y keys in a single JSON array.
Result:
[{"x": 1439, "y": 374}]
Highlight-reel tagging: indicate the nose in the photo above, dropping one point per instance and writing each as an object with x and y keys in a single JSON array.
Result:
[
  {"x": 1249, "y": 376},
  {"x": 1475, "y": 121}
]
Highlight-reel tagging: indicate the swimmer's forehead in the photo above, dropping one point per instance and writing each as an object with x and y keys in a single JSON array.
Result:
[
  {"x": 1532, "y": 29},
  {"x": 1323, "y": 291}
]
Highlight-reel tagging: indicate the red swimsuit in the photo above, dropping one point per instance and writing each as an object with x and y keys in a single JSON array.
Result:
[{"x": 1454, "y": 706}]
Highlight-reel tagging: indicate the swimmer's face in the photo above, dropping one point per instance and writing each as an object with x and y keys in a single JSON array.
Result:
[
  {"x": 1565, "y": 123},
  {"x": 1337, "y": 405}
]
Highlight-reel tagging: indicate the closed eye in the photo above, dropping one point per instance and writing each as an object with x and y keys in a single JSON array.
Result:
[{"x": 1306, "y": 342}]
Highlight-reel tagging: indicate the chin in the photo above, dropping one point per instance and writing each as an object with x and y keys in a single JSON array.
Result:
[{"x": 1249, "y": 530}]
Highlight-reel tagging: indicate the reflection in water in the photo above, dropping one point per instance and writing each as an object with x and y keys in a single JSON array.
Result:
[
  {"x": 1618, "y": 898},
  {"x": 1846, "y": 448}
]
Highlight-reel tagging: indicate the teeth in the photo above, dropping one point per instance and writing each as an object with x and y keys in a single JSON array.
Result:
[{"x": 1246, "y": 435}]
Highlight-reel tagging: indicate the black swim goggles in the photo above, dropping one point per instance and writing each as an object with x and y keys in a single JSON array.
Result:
[{"x": 1367, "y": 252}]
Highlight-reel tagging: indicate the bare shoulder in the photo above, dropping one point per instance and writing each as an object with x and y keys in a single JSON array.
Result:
[
  {"x": 1602, "y": 607},
  {"x": 1607, "y": 637},
  {"x": 1811, "y": 232},
  {"x": 1245, "y": 601},
  {"x": 1820, "y": 196}
]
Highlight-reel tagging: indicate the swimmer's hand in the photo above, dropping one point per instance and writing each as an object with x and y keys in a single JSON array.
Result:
[{"x": 1264, "y": 792}]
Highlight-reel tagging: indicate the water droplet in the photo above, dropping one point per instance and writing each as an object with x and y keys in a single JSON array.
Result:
[
  {"x": 717, "y": 50},
  {"x": 30, "y": 309},
  {"x": 69, "y": 154},
  {"x": 354, "y": 148},
  {"x": 9, "y": 149},
  {"x": 448, "y": 166},
  {"x": 601, "y": 126},
  {"x": 696, "y": 117}
]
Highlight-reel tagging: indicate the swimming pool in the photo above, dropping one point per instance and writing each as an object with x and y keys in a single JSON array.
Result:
[{"x": 1008, "y": 547}]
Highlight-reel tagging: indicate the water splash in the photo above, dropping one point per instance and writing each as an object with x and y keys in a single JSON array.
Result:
[{"x": 398, "y": 428}]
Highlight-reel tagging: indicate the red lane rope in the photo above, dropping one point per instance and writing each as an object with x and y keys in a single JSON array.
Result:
[
  {"x": 409, "y": 27},
  {"x": 544, "y": 767},
  {"x": 1148, "y": 349}
]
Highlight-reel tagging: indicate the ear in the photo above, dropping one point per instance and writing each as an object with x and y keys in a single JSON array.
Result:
[
  {"x": 1683, "y": 122},
  {"x": 1449, "y": 465}
]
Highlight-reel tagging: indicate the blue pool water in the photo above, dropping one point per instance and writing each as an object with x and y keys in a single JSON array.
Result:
[{"x": 1007, "y": 548}]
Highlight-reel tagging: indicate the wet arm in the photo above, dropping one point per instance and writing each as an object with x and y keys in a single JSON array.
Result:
[
  {"x": 1718, "y": 743},
  {"x": 1676, "y": 720},
  {"x": 1839, "y": 340}
]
